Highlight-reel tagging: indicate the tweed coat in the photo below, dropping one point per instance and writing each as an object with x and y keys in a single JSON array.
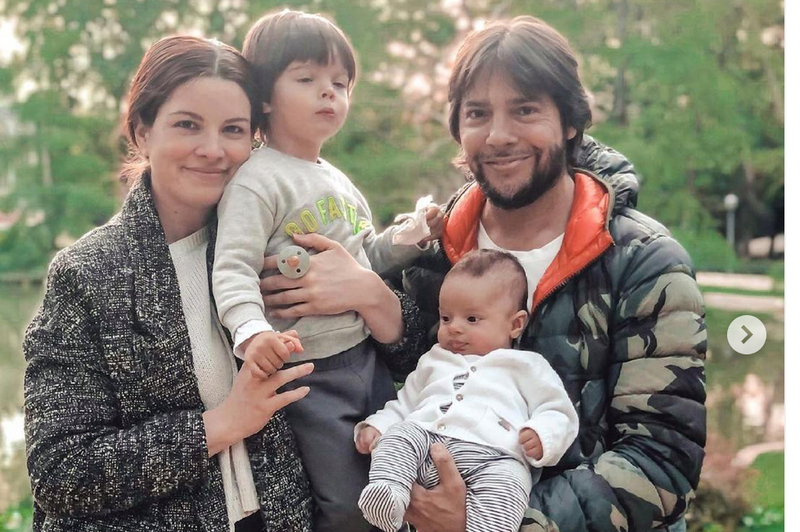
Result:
[
  {"x": 113, "y": 416},
  {"x": 625, "y": 331}
]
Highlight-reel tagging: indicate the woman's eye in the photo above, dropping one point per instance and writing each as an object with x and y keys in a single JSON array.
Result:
[
  {"x": 187, "y": 124},
  {"x": 237, "y": 130},
  {"x": 305, "y": 80}
]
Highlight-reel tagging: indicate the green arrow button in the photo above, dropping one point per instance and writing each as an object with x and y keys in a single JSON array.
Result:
[{"x": 749, "y": 334}]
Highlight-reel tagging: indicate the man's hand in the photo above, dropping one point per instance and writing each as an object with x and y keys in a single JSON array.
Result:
[
  {"x": 531, "y": 444},
  {"x": 443, "y": 508},
  {"x": 267, "y": 352},
  {"x": 366, "y": 439}
]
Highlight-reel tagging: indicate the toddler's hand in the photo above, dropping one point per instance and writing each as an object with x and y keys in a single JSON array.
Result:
[
  {"x": 367, "y": 437},
  {"x": 531, "y": 444},
  {"x": 266, "y": 352},
  {"x": 435, "y": 220}
]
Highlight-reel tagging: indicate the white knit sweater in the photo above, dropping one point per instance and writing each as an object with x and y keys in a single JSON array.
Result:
[
  {"x": 503, "y": 392},
  {"x": 213, "y": 364}
]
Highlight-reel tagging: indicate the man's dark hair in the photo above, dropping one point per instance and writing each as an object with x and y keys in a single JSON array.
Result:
[
  {"x": 278, "y": 39},
  {"x": 536, "y": 58},
  {"x": 501, "y": 264}
]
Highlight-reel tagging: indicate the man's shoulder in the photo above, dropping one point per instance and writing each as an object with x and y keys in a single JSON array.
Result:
[{"x": 642, "y": 239}]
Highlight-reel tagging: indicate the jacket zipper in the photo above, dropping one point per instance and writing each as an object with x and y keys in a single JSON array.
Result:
[{"x": 562, "y": 284}]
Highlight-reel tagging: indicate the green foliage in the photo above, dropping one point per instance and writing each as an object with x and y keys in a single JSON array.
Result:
[
  {"x": 691, "y": 92},
  {"x": 18, "y": 518},
  {"x": 708, "y": 249}
]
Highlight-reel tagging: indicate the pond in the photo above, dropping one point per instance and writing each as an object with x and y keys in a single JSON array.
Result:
[{"x": 745, "y": 393}]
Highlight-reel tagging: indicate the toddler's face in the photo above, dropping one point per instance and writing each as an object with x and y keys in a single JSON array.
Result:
[
  {"x": 309, "y": 105},
  {"x": 476, "y": 317}
]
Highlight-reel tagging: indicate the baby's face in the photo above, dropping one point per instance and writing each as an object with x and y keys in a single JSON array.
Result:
[{"x": 475, "y": 316}]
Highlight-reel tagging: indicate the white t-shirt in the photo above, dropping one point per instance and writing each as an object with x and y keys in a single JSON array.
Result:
[{"x": 535, "y": 262}]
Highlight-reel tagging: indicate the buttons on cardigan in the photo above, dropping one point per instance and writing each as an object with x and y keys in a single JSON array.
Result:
[
  {"x": 459, "y": 397},
  {"x": 441, "y": 426},
  {"x": 473, "y": 369}
]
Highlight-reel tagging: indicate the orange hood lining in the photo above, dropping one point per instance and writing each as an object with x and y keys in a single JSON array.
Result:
[{"x": 586, "y": 236}]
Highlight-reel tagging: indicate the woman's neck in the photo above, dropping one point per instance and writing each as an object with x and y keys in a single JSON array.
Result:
[{"x": 180, "y": 221}]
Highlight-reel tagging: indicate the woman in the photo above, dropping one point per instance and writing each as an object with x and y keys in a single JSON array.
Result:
[{"x": 136, "y": 418}]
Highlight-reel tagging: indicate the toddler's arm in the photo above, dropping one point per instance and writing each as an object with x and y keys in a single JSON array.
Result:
[
  {"x": 383, "y": 254},
  {"x": 245, "y": 224}
]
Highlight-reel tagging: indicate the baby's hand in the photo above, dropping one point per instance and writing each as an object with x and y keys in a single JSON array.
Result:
[
  {"x": 266, "y": 352},
  {"x": 435, "y": 220},
  {"x": 531, "y": 444},
  {"x": 366, "y": 439}
]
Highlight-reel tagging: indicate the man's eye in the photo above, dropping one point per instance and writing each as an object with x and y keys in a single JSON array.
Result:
[
  {"x": 527, "y": 111},
  {"x": 475, "y": 114}
]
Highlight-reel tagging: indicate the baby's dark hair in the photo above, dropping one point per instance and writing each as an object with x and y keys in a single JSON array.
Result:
[
  {"x": 502, "y": 264},
  {"x": 278, "y": 39}
]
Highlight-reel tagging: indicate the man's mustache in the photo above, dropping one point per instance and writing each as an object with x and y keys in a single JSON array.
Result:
[{"x": 488, "y": 155}]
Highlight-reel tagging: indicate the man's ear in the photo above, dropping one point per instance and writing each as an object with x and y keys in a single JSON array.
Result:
[
  {"x": 518, "y": 323},
  {"x": 142, "y": 133}
]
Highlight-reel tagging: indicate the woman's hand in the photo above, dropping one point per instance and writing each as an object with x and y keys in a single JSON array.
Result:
[
  {"x": 251, "y": 404},
  {"x": 335, "y": 283}
]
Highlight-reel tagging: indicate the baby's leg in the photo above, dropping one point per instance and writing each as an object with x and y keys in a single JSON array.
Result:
[
  {"x": 498, "y": 485},
  {"x": 395, "y": 461}
]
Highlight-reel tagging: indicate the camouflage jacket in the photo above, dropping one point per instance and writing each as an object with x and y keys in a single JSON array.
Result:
[{"x": 619, "y": 316}]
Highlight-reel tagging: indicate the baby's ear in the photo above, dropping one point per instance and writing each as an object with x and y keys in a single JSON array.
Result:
[{"x": 518, "y": 323}]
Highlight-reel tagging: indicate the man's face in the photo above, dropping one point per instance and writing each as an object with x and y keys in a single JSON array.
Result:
[{"x": 513, "y": 145}]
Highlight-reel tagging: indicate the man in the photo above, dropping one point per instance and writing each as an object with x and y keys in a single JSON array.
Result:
[{"x": 615, "y": 310}]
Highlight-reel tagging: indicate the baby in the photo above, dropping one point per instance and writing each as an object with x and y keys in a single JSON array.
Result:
[{"x": 496, "y": 409}]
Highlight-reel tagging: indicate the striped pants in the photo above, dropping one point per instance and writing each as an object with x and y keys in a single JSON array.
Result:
[{"x": 498, "y": 485}]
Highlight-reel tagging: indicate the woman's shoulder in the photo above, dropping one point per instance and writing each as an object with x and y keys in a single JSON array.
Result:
[{"x": 99, "y": 250}]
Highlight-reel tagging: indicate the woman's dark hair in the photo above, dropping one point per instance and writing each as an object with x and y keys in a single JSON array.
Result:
[
  {"x": 281, "y": 38},
  {"x": 168, "y": 64},
  {"x": 536, "y": 58}
]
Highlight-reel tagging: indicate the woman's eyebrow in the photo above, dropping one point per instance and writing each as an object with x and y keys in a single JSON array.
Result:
[{"x": 189, "y": 113}]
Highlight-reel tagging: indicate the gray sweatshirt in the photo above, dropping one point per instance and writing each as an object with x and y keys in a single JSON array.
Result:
[{"x": 271, "y": 197}]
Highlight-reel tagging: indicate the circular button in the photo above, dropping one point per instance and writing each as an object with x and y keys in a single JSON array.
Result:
[
  {"x": 441, "y": 426},
  {"x": 473, "y": 369},
  {"x": 459, "y": 397},
  {"x": 747, "y": 334}
]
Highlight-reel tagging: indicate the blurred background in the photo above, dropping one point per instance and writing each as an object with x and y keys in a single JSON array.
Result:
[{"x": 691, "y": 91}]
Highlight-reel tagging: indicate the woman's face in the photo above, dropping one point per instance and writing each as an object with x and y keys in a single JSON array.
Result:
[{"x": 199, "y": 138}]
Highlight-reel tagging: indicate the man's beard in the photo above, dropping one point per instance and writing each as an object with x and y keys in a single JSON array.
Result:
[{"x": 543, "y": 177}]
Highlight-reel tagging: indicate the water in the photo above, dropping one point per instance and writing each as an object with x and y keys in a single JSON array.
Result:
[{"x": 745, "y": 393}]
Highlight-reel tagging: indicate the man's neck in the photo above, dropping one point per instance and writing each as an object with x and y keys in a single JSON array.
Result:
[{"x": 532, "y": 226}]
